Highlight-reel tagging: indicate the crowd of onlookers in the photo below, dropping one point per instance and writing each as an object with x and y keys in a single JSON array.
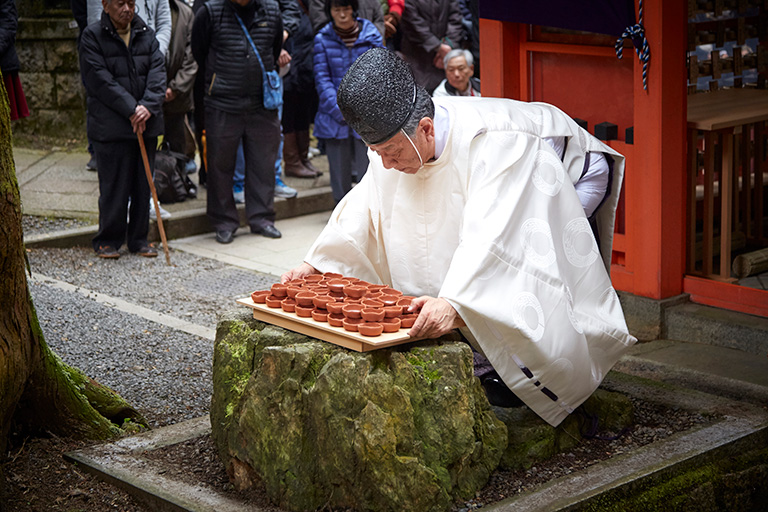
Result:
[{"x": 237, "y": 85}]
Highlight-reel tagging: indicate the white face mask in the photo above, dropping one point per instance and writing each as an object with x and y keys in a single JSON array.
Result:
[{"x": 421, "y": 161}]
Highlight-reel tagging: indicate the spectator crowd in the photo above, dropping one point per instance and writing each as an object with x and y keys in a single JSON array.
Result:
[{"x": 239, "y": 86}]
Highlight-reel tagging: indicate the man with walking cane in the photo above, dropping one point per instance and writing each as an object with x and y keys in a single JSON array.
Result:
[{"x": 123, "y": 72}]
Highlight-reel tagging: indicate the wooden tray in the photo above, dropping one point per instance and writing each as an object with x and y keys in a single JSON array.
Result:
[{"x": 322, "y": 330}]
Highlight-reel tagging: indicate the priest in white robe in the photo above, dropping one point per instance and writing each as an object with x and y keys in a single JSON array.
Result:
[{"x": 469, "y": 205}]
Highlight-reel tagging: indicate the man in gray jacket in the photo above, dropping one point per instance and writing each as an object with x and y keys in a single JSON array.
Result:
[{"x": 181, "y": 69}]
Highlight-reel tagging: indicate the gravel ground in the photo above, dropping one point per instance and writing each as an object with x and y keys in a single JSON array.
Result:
[
  {"x": 163, "y": 372},
  {"x": 35, "y": 225},
  {"x": 192, "y": 288}
]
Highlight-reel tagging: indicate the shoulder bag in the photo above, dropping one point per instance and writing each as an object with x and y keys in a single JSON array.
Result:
[{"x": 272, "y": 86}]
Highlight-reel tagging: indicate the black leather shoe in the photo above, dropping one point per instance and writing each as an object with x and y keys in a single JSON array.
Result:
[
  {"x": 498, "y": 393},
  {"x": 268, "y": 231},
  {"x": 224, "y": 236}
]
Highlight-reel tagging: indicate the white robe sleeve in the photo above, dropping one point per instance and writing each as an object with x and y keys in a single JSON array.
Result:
[{"x": 528, "y": 280}]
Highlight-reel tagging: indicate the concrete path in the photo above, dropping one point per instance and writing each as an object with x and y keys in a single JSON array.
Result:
[
  {"x": 254, "y": 252},
  {"x": 56, "y": 183}
]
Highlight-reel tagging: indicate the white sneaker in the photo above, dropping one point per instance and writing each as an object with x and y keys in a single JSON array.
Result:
[
  {"x": 164, "y": 214},
  {"x": 284, "y": 191},
  {"x": 239, "y": 196},
  {"x": 312, "y": 152}
]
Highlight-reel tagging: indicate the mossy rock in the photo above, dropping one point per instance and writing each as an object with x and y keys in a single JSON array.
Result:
[
  {"x": 406, "y": 428},
  {"x": 532, "y": 440}
]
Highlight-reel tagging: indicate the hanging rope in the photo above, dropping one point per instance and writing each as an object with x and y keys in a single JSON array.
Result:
[{"x": 636, "y": 34}]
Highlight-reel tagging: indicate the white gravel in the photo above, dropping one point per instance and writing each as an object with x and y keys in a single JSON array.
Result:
[{"x": 163, "y": 372}]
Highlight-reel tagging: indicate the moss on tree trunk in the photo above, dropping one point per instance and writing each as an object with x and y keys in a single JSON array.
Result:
[{"x": 38, "y": 392}]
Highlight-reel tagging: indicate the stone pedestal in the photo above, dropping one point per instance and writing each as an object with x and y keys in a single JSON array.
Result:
[{"x": 407, "y": 428}]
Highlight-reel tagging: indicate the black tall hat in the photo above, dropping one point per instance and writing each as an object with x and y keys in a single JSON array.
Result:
[{"x": 377, "y": 95}]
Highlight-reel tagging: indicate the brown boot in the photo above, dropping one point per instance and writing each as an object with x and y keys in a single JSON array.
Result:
[
  {"x": 293, "y": 165},
  {"x": 302, "y": 144}
]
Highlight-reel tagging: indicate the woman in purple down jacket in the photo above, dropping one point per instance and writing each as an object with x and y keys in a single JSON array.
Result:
[{"x": 337, "y": 46}]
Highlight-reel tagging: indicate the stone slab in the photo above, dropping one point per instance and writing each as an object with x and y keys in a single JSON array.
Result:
[
  {"x": 583, "y": 490},
  {"x": 646, "y": 317},
  {"x": 64, "y": 167},
  {"x": 714, "y": 360},
  {"x": 28, "y": 163},
  {"x": 255, "y": 252},
  {"x": 740, "y": 376},
  {"x": 60, "y": 205},
  {"x": 705, "y": 324}
]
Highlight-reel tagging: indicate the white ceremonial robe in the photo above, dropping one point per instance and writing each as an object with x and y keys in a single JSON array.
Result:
[{"x": 495, "y": 227}]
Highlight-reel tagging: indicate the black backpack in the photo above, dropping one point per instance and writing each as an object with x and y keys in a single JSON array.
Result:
[{"x": 171, "y": 181}]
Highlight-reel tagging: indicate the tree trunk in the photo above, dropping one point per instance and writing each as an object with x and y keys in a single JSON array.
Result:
[{"x": 38, "y": 392}]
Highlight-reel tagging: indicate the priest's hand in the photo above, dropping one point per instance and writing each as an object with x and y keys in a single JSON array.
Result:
[
  {"x": 436, "y": 317},
  {"x": 299, "y": 272}
]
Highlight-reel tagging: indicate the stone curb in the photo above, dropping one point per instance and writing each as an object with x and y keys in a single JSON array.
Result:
[
  {"x": 121, "y": 464},
  {"x": 190, "y": 222},
  {"x": 588, "y": 489},
  {"x": 742, "y": 427}
]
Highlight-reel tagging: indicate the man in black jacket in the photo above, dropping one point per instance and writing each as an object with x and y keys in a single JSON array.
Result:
[
  {"x": 124, "y": 74},
  {"x": 234, "y": 109}
]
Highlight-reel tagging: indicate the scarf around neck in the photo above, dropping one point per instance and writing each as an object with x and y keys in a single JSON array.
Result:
[{"x": 348, "y": 36}]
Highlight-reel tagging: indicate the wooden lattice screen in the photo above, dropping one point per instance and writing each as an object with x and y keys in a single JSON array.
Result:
[{"x": 727, "y": 44}]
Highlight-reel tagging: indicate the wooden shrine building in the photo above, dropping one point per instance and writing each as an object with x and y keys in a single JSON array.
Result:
[{"x": 693, "y": 217}]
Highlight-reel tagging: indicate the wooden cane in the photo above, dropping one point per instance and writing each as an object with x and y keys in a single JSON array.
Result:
[
  {"x": 205, "y": 151},
  {"x": 148, "y": 171}
]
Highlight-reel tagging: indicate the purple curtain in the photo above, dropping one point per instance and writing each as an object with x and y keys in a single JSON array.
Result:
[{"x": 610, "y": 17}]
